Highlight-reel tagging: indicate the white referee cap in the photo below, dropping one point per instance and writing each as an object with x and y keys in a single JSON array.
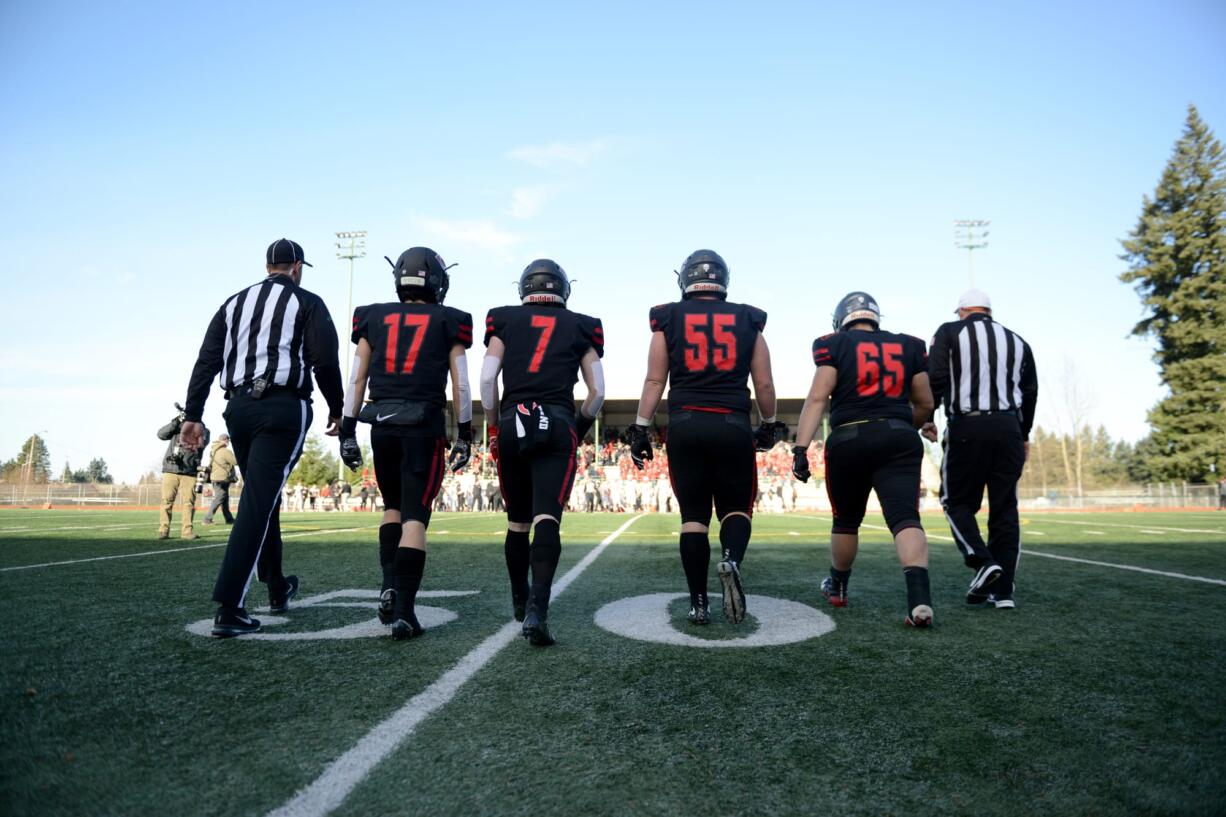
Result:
[{"x": 974, "y": 297}]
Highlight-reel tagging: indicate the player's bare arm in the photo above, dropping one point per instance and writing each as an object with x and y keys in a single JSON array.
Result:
[
  {"x": 359, "y": 376},
  {"x": 763, "y": 379},
  {"x": 922, "y": 403},
  {"x": 824, "y": 381},
  {"x": 649, "y": 400},
  {"x": 593, "y": 378}
]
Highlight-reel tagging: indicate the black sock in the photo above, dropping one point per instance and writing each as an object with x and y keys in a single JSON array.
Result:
[
  {"x": 841, "y": 577},
  {"x": 410, "y": 563},
  {"x": 734, "y": 536},
  {"x": 917, "y": 587},
  {"x": 515, "y": 547},
  {"x": 389, "y": 540},
  {"x": 545, "y": 552},
  {"x": 696, "y": 561}
]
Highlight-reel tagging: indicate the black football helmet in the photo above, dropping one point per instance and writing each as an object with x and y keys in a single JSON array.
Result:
[
  {"x": 420, "y": 272},
  {"x": 855, "y": 307},
  {"x": 544, "y": 282},
  {"x": 703, "y": 273}
]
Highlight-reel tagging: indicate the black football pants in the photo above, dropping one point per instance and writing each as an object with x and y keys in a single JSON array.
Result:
[
  {"x": 984, "y": 451},
  {"x": 267, "y": 436}
]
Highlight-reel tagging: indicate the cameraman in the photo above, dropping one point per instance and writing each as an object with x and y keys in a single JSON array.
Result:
[
  {"x": 223, "y": 472},
  {"x": 179, "y": 467}
]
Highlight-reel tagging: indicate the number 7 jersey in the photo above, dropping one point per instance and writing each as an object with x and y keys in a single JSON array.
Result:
[
  {"x": 544, "y": 345},
  {"x": 875, "y": 371},
  {"x": 710, "y": 345}
]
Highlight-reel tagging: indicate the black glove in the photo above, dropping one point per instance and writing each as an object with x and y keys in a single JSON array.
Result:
[
  {"x": 640, "y": 446},
  {"x": 583, "y": 425},
  {"x": 351, "y": 452},
  {"x": 800, "y": 463},
  {"x": 768, "y": 434}
]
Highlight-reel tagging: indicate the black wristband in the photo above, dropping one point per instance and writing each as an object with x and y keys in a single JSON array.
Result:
[
  {"x": 800, "y": 449},
  {"x": 464, "y": 431},
  {"x": 349, "y": 426}
]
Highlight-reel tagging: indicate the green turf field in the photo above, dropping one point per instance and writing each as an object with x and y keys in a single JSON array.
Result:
[{"x": 1103, "y": 693}]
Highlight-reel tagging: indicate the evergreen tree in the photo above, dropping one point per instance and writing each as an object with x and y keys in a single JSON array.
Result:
[
  {"x": 316, "y": 466},
  {"x": 1176, "y": 255},
  {"x": 32, "y": 463},
  {"x": 97, "y": 472}
]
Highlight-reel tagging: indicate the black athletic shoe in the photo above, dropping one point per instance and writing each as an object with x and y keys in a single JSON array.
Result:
[
  {"x": 984, "y": 576},
  {"x": 837, "y": 596},
  {"x": 536, "y": 630},
  {"x": 387, "y": 606},
  {"x": 406, "y": 628},
  {"x": 279, "y": 602},
  {"x": 232, "y": 621},
  {"x": 700, "y": 610},
  {"x": 734, "y": 594},
  {"x": 1001, "y": 602}
]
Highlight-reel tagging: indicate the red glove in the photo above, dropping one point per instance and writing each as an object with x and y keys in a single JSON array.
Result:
[{"x": 493, "y": 434}]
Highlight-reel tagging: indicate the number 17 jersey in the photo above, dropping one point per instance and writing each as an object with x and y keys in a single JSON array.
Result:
[
  {"x": 710, "y": 345},
  {"x": 875, "y": 371}
]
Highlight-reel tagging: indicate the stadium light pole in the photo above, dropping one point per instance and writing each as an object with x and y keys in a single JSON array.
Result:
[
  {"x": 971, "y": 234},
  {"x": 350, "y": 245}
]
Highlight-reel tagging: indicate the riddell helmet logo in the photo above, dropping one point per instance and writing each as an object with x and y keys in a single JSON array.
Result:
[
  {"x": 704, "y": 287},
  {"x": 542, "y": 298}
]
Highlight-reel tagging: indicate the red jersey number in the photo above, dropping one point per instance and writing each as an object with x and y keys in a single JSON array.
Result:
[
  {"x": 871, "y": 360},
  {"x": 718, "y": 349},
  {"x": 418, "y": 323},
  {"x": 546, "y": 324}
]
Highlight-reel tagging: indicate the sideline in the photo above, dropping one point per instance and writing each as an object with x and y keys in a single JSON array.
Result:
[
  {"x": 1126, "y": 567},
  {"x": 342, "y": 775},
  {"x": 173, "y": 550}
]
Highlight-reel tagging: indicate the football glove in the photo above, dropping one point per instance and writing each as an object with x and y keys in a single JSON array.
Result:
[
  {"x": 768, "y": 434},
  {"x": 640, "y": 446},
  {"x": 800, "y": 463},
  {"x": 583, "y": 425},
  {"x": 462, "y": 449},
  {"x": 351, "y": 453},
  {"x": 493, "y": 446}
]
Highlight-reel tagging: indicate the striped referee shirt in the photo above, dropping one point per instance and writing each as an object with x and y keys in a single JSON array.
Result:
[
  {"x": 276, "y": 330},
  {"x": 977, "y": 365}
]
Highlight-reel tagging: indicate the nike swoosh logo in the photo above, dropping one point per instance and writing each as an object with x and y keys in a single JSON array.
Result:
[
  {"x": 244, "y": 620},
  {"x": 381, "y": 417}
]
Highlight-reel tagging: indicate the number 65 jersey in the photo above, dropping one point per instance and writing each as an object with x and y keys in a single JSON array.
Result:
[
  {"x": 544, "y": 345},
  {"x": 875, "y": 370},
  {"x": 710, "y": 345}
]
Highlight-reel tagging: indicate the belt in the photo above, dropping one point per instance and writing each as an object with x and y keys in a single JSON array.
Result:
[
  {"x": 1006, "y": 412},
  {"x": 245, "y": 390}
]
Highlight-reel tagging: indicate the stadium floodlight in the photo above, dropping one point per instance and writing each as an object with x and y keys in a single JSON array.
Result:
[
  {"x": 971, "y": 234},
  {"x": 351, "y": 246}
]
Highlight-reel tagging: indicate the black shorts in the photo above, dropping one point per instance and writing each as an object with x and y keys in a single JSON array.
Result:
[
  {"x": 880, "y": 455},
  {"x": 711, "y": 459},
  {"x": 536, "y": 472},
  {"x": 409, "y": 469}
]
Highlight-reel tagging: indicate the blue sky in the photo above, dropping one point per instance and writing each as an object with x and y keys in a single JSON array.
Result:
[{"x": 150, "y": 152}]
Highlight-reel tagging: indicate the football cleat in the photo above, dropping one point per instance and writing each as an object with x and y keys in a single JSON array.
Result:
[
  {"x": 279, "y": 603},
  {"x": 536, "y": 630},
  {"x": 1001, "y": 603},
  {"x": 232, "y": 621},
  {"x": 406, "y": 628},
  {"x": 837, "y": 596},
  {"x": 975, "y": 594},
  {"x": 700, "y": 610},
  {"x": 920, "y": 618},
  {"x": 734, "y": 594},
  {"x": 387, "y": 606}
]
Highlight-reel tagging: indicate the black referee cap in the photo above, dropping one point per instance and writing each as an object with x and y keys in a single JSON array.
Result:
[{"x": 284, "y": 251}]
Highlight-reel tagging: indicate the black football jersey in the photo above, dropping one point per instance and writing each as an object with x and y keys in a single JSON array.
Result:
[
  {"x": 544, "y": 345},
  {"x": 710, "y": 345},
  {"x": 411, "y": 348},
  {"x": 875, "y": 371}
]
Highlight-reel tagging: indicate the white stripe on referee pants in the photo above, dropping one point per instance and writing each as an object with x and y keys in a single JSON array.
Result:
[
  {"x": 962, "y": 543},
  {"x": 289, "y": 466}
]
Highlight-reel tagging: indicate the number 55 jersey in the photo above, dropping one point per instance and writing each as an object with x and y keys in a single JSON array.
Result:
[
  {"x": 710, "y": 344},
  {"x": 875, "y": 370}
]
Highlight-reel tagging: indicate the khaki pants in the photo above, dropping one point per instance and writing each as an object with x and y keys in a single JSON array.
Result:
[{"x": 183, "y": 488}]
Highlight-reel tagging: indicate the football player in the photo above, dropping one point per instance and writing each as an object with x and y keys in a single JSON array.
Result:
[
  {"x": 539, "y": 347},
  {"x": 707, "y": 348},
  {"x": 406, "y": 350},
  {"x": 877, "y": 383}
]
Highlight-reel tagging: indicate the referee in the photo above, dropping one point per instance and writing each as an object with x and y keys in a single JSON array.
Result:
[
  {"x": 263, "y": 341},
  {"x": 984, "y": 375}
]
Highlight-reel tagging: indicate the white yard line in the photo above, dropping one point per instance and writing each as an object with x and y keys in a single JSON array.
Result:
[
  {"x": 342, "y": 775},
  {"x": 1126, "y": 567},
  {"x": 37, "y": 529},
  {"x": 1143, "y": 528},
  {"x": 171, "y": 550}
]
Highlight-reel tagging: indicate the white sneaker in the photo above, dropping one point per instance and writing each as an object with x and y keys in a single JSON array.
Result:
[{"x": 1003, "y": 604}]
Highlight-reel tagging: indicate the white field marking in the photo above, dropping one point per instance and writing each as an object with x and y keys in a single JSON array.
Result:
[
  {"x": 927, "y": 533},
  {"x": 1096, "y": 533},
  {"x": 37, "y": 529},
  {"x": 171, "y": 550},
  {"x": 793, "y": 533},
  {"x": 1143, "y": 528},
  {"x": 1035, "y": 533},
  {"x": 1158, "y": 532},
  {"x": 330, "y": 789},
  {"x": 645, "y": 618},
  {"x": 1127, "y": 567}
]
